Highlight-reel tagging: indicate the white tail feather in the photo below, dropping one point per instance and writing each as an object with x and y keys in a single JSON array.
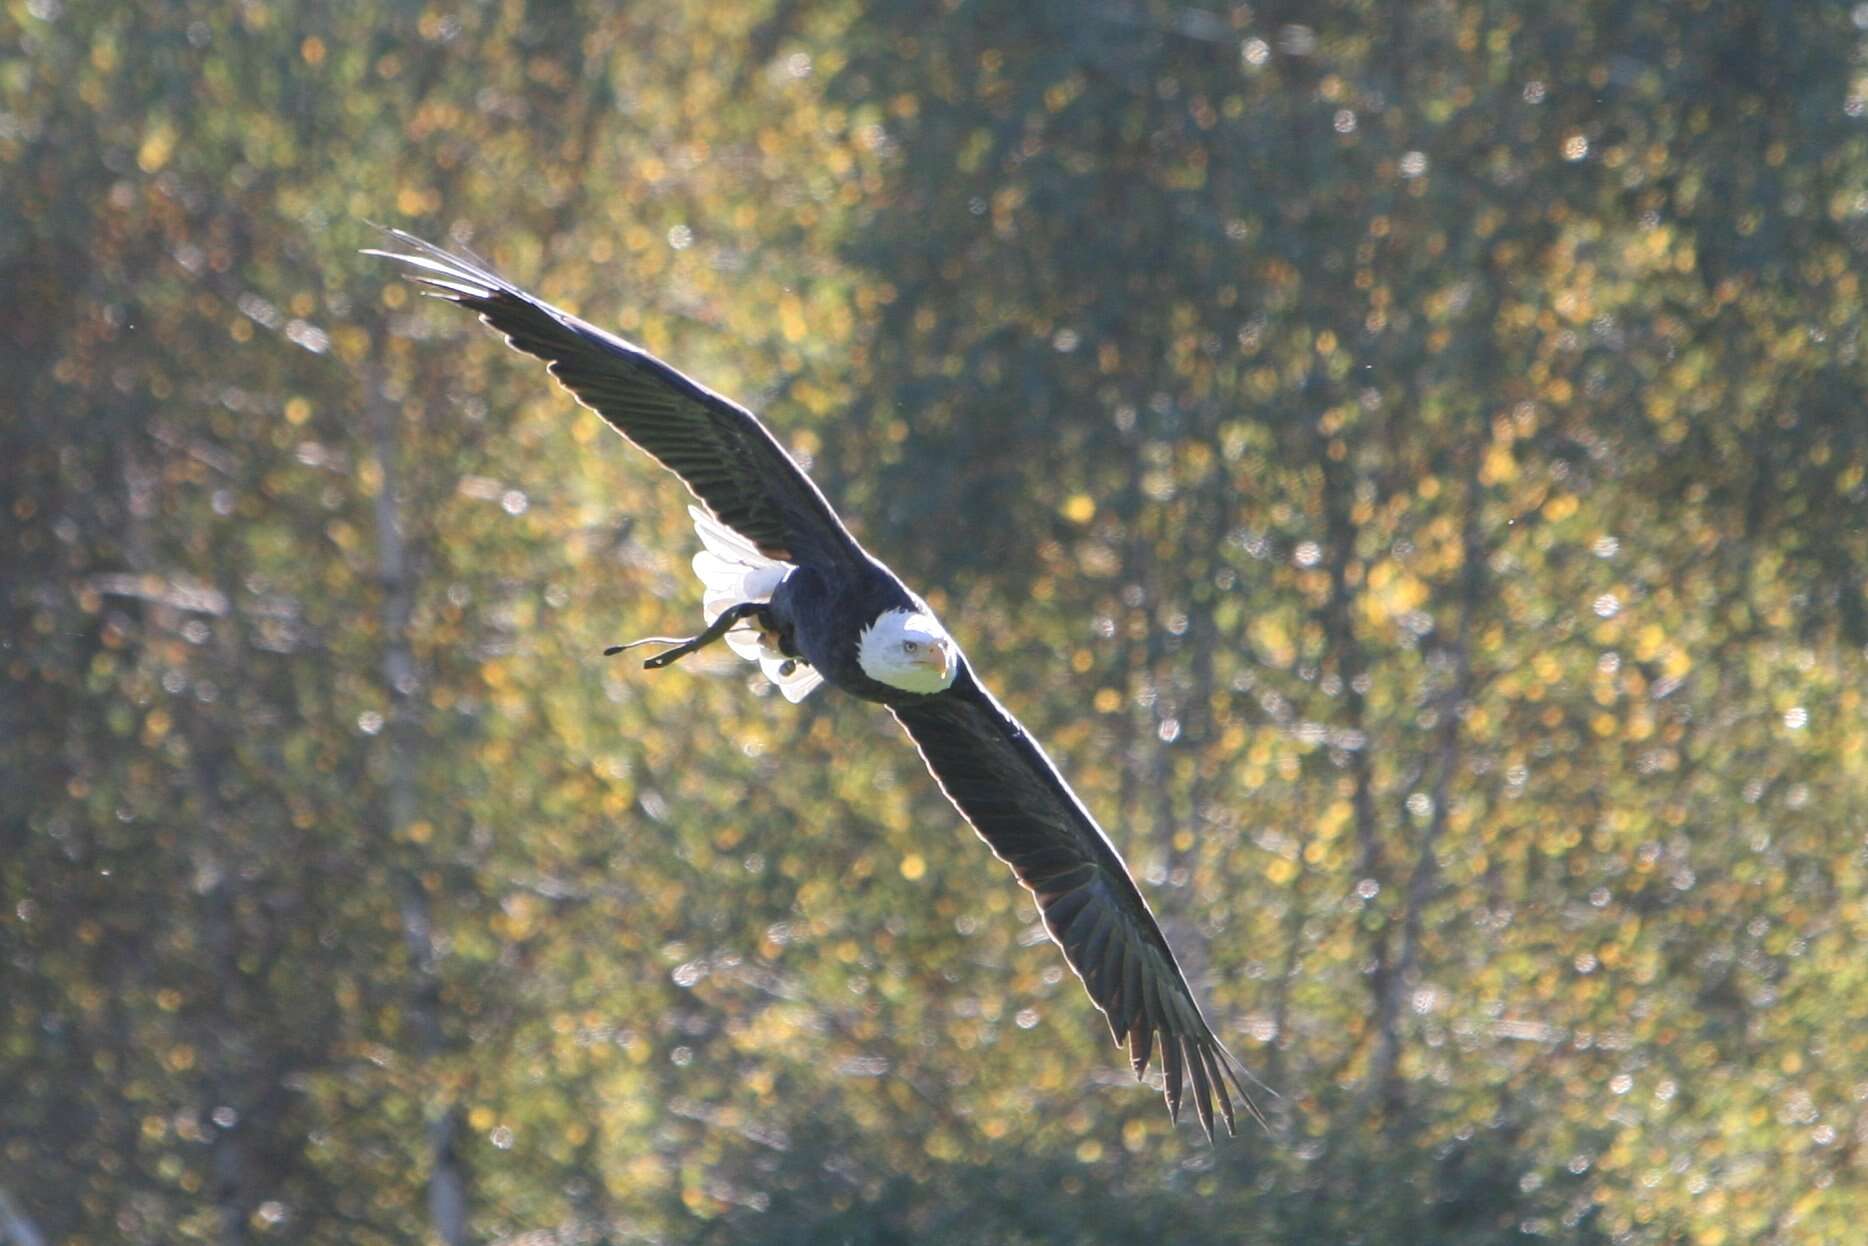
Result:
[
  {"x": 729, "y": 583},
  {"x": 722, "y": 540},
  {"x": 732, "y": 570}
]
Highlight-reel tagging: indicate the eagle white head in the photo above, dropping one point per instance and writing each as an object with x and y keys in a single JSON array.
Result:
[{"x": 909, "y": 650}]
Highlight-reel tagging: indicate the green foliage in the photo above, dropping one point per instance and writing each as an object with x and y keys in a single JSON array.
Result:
[{"x": 1405, "y": 461}]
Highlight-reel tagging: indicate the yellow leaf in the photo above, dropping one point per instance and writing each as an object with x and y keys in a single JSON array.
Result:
[
  {"x": 791, "y": 318},
  {"x": 158, "y": 145},
  {"x": 1499, "y": 466}
]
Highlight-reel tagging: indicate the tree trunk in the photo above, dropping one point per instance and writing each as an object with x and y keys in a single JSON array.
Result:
[
  {"x": 223, "y": 1080},
  {"x": 16, "y": 1227},
  {"x": 1384, "y": 1079},
  {"x": 447, "y": 1177}
]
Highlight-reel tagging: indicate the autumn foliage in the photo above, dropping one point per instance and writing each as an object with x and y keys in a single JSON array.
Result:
[{"x": 1406, "y": 461}]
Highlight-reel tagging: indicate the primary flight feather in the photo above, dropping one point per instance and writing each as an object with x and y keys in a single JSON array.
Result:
[{"x": 787, "y": 586}]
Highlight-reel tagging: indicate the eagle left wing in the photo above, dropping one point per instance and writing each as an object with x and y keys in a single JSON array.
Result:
[{"x": 1002, "y": 782}]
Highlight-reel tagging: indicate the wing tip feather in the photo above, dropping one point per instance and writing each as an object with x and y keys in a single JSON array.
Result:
[{"x": 1202, "y": 1088}]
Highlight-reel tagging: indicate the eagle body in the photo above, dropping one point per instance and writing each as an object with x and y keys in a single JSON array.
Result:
[
  {"x": 786, "y": 585},
  {"x": 822, "y": 611}
]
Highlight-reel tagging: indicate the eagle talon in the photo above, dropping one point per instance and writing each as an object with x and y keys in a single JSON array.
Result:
[
  {"x": 715, "y": 630},
  {"x": 669, "y": 657}
]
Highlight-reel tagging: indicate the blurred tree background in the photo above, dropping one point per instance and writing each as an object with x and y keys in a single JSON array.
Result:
[{"x": 1406, "y": 460}]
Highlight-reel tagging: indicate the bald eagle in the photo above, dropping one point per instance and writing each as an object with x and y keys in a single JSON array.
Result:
[{"x": 788, "y": 587}]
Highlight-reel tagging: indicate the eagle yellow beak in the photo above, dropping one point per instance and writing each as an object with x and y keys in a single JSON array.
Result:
[{"x": 938, "y": 656}]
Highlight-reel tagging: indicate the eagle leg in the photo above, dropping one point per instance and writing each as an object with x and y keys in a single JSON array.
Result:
[{"x": 729, "y": 617}]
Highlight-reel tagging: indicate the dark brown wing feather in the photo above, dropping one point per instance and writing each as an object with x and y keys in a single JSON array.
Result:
[
  {"x": 725, "y": 456},
  {"x": 1001, "y": 781}
]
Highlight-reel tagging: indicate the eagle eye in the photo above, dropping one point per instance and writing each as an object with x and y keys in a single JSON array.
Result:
[{"x": 909, "y": 646}]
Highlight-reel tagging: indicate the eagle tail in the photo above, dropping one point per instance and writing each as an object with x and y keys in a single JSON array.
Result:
[{"x": 733, "y": 571}]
